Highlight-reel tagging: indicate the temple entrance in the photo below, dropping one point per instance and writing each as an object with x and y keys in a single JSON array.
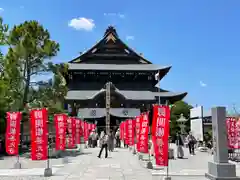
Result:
[
  {"x": 110, "y": 109},
  {"x": 101, "y": 123}
]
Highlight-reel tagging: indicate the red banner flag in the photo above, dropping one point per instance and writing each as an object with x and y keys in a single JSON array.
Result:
[
  {"x": 86, "y": 131},
  {"x": 121, "y": 130},
  {"x": 13, "y": 132},
  {"x": 61, "y": 127},
  {"x": 142, "y": 145},
  {"x": 89, "y": 128},
  {"x": 237, "y": 144},
  {"x": 81, "y": 128},
  {"x": 231, "y": 124},
  {"x": 160, "y": 133},
  {"x": 71, "y": 133},
  {"x": 137, "y": 127},
  {"x": 78, "y": 131},
  {"x": 126, "y": 132},
  {"x": 39, "y": 134},
  {"x": 93, "y": 127},
  {"x": 130, "y": 133}
]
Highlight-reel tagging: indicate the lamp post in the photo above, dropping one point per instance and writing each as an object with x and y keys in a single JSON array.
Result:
[{"x": 181, "y": 122}]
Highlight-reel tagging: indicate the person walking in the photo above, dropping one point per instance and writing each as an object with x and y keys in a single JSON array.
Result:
[
  {"x": 94, "y": 138},
  {"x": 191, "y": 142},
  {"x": 90, "y": 139},
  {"x": 104, "y": 144},
  {"x": 117, "y": 136},
  {"x": 179, "y": 144}
]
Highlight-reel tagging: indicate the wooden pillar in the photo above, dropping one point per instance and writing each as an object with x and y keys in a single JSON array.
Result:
[{"x": 108, "y": 103}]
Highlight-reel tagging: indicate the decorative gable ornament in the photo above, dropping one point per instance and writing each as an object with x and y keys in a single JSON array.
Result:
[{"x": 111, "y": 37}]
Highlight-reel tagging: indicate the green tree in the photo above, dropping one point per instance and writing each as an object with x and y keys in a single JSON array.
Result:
[
  {"x": 3, "y": 31},
  {"x": 31, "y": 45},
  {"x": 3, "y": 83},
  {"x": 177, "y": 109},
  {"x": 51, "y": 94}
]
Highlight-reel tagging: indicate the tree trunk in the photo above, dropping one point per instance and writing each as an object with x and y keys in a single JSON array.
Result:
[{"x": 26, "y": 89}]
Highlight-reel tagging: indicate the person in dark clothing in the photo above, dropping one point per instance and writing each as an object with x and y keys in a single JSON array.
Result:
[
  {"x": 104, "y": 142},
  {"x": 117, "y": 136},
  {"x": 191, "y": 142},
  {"x": 90, "y": 139},
  {"x": 180, "y": 144}
]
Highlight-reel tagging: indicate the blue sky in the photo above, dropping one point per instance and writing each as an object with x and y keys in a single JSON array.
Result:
[{"x": 200, "y": 39}]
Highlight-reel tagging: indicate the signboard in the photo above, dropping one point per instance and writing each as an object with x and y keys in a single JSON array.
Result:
[
  {"x": 196, "y": 112},
  {"x": 197, "y": 128}
]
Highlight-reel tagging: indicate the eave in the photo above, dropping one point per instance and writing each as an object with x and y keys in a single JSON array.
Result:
[
  {"x": 120, "y": 67},
  {"x": 127, "y": 95}
]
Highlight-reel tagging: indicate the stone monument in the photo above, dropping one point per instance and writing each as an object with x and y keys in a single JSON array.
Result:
[{"x": 220, "y": 168}]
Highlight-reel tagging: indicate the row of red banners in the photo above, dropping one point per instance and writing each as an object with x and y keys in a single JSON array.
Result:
[
  {"x": 69, "y": 130},
  {"x": 137, "y": 131}
]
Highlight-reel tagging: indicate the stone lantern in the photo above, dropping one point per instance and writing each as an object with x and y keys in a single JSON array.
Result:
[{"x": 182, "y": 120}]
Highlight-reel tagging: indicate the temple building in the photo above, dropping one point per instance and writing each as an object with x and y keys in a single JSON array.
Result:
[{"x": 132, "y": 77}]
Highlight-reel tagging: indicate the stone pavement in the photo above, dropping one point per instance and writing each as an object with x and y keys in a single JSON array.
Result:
[{"x": 121, "y": 165}]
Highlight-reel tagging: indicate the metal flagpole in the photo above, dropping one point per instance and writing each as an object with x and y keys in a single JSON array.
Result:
[
  {"x": 18, "y": 164},
  {"x": 167, "y": 173},
  {"x": 48, "y": 170}
]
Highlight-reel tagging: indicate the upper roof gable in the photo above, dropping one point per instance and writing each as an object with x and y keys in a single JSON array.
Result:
[{"x": 110, "y": 45}]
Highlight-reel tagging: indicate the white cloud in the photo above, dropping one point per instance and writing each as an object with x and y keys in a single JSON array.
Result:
[
  {"x": 82, "y": 24},
  {"x": 1, "y": 10},
  {"x": 128, "y": 38},
  {"x": 122, "y": 16},
  {"x": 109, "y": 14},
  {"x": 202, "y": 84}
]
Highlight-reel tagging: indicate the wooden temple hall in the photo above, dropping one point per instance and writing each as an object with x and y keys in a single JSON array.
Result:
[{"x": 131, "y": 77}]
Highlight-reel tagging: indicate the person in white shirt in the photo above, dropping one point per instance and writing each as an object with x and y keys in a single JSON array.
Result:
[
  {"x": 94, "y": 138},
  {"x": 104, "y": 142}
]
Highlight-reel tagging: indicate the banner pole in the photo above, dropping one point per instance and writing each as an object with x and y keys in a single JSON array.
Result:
[
  {"x": 48, "y": 170},
  {"x": 18, "y": 164},
  {"x": 134, "y": 140},
  {"x": 149, "y": 164},
  {"x": 167, "y": 173}
]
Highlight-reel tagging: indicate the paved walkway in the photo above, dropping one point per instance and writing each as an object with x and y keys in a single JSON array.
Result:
[{"x": 121, "y": 165}]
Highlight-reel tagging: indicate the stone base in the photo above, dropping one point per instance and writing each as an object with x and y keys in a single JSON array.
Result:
[
  {"x": 149, "y": 165},
  {"x": 47, "y": 172},
  {"x": 211, "y": 177},
  {"x": 171, "y": 153},
  {"x": 82, "y": 148},
  {"x": 140, "y": 156},
  {"x": 134, "y": 151},
  {"x": 18, "y": 165},
  {"x": 167, "y": 178},
  {"x": 221, "y": 171}
]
